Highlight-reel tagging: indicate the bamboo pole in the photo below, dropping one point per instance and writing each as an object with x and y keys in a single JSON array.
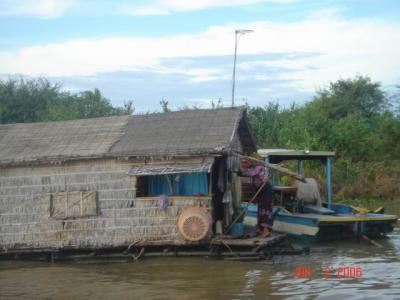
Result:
[
  {"x": 274, "y": 167},
  {"x": 245, "y": 210},
  {"x": 271, "y": 166}
]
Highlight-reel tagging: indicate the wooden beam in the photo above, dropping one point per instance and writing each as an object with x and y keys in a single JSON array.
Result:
[{"x": 275, "y": 167}]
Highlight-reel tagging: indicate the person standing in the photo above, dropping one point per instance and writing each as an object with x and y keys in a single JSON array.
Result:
[{"x": 264, "y": 197}]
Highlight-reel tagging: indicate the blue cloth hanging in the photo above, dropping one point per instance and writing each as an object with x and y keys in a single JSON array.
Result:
[
  {"x": 157, "y": 185},
  {"x": 190, "y": 184},
  {"x": 186, "y": 184}
]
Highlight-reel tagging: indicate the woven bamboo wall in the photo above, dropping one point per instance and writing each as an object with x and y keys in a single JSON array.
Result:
[{"x": 25, "y": 217}]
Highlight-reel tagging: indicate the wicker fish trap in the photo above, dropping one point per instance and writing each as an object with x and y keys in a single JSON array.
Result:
[{"x": 194, "y": 223}]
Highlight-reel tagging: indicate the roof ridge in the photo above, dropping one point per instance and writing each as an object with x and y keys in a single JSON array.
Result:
[
  {"x": 65, "y": 121},
  {"x": 128, "y": 116}
]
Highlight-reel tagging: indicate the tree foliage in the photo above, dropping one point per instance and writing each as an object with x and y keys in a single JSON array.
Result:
[
  {"x": 164, "y": 106},
  {"x": 351, "y": 117},
  {"x": 359, "y": 97},
  {"x": 37, "y": 100}
]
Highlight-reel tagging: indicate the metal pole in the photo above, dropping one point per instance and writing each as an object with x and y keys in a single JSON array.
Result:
[
  {"x": 300, "y": 167},
  {"x": 237, "y": 35},
  {"x": 328, "y": 182},
  {"x": 234, "y": 69}
]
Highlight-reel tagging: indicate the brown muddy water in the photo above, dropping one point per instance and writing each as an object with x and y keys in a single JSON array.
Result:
[{"x": 317, "y": 277}]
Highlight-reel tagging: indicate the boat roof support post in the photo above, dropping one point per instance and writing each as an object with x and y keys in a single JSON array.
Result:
[
  {"x": 300, "y": 167},
  {"x": 328, "y": 182},
  {"x": 268, "y": 171}
]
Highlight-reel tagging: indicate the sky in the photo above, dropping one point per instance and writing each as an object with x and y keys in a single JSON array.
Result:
[{"x": 182, "y": 51}]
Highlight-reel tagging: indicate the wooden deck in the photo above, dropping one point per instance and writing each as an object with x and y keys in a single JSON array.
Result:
[{"x": 226, "y": 246}]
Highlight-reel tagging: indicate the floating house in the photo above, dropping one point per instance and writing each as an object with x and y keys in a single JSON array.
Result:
[{"x": 153, "y": 179}]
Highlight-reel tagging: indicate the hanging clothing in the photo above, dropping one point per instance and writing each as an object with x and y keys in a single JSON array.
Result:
[
  {"x": 236, "y": 191},
  {"x": 221, "y": 177},
  {"x": 227, "y": 200},
  {"x": 163, "y": 202}
]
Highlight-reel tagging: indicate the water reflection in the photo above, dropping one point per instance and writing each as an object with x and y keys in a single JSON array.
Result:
[
  {"x": 252, "y": 278},
  {"x": 380, "y": 272},
  {"x": 203, "y": 278}
]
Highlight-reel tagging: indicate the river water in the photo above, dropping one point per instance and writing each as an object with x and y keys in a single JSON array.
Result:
[{"x": 313, "y": 276}]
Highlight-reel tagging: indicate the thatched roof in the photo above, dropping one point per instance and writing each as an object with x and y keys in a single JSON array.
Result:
[{"x": 193, "y": 132}]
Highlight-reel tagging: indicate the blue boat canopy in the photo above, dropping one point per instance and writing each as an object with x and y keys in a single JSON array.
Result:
[
  {"x": 279, "y": 155},
  {"x": 276, "y": 156}
]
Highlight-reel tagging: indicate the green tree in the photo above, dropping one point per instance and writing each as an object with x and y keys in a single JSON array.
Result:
[
  {"x": 164, "y": 106},
  {"x": 26, "y": 100},
  {"x": 358, "y": 96},
  {"x": 396, "y": 101},
  {"x": 37, "y": 100},
  {"x": 217, "y": 104},
  {"x": 351, "y": 117}
]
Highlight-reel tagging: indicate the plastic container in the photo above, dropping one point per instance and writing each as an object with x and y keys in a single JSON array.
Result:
[{"x": 237, "y": 229}]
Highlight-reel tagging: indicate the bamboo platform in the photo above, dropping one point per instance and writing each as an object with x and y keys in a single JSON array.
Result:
[{"x": 224, "y": 247}]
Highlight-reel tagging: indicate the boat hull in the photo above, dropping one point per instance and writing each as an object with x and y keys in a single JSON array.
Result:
[{"x": 323, "y": 227}]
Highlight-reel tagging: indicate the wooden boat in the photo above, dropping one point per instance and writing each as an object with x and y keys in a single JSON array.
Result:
[
  {"x": 338, "y": 224},
  {"x": 328, "y": 221}
]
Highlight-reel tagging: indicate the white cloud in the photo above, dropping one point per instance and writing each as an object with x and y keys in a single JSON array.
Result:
[
  {"x": 262, "y": 77},
  {"x": 194, "y": 74},
  {"x": 164, "y": 7},
  {"x": 151, "y": 10},
  {"x": 328, "y": 48},
  {"x": 36, "y": 8}
]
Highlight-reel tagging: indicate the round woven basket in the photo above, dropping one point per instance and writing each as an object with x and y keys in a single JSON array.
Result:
[{"x": 194, "y": 223}]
